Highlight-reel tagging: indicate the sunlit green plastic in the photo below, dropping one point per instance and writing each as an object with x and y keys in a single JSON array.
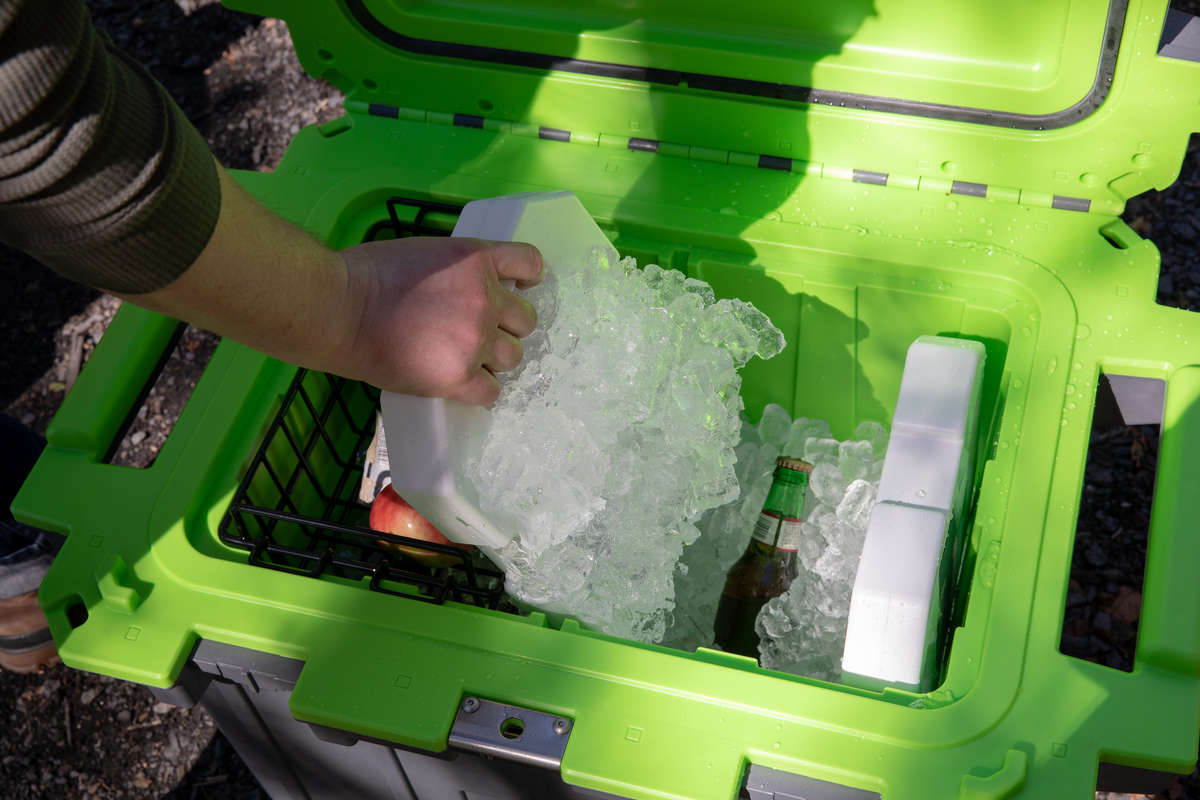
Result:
[
  {"x": 1019, "y": 56},
  {"x": 852, "y": 273}
]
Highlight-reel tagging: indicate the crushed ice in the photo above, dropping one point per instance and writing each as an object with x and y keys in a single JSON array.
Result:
[
  {"x": 803, "y": 631},
  {"x": 613, "y": 438}
]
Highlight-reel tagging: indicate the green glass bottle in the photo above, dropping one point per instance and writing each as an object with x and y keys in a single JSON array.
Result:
[{"x": 768, "y": 566}]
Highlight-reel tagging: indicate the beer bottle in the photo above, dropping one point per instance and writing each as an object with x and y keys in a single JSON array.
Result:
[{"x": 768, "y": 566}]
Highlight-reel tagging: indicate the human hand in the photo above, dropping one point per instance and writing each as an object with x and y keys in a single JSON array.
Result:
[{"x": 434, "y": 319}]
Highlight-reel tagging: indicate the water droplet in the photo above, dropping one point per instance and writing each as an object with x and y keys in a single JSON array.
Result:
[
  {"x": 1051, "y": 365},
  {"x": 1017, "y": 383},
  {"x": 1003, "y": 445},
  {"x": 1071, "y": 406},
  {"x": 1077, "y": 365},
  {"x": 920, "y": 492},
  {"x": 1082, "y": 332},
  {"x": 775, "y": 746},
  {"x": 1026, "y": 331}
]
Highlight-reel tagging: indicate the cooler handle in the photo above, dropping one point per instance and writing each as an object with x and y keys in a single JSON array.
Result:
[
  {"x": 111, "y": 383},
  {"x": 1169, "y": 630}
]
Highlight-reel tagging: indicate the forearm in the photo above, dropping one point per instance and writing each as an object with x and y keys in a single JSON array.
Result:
[
  {"x": 268, "y": 284},
  {"x": 422, "y": 316},
  {"x": 425, "y": 316}
]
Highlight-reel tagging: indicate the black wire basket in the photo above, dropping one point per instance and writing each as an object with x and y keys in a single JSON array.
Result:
[{"x": 296, "y": 508}]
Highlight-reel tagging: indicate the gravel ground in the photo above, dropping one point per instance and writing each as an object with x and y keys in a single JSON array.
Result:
[{"x": 78, "y": 735}]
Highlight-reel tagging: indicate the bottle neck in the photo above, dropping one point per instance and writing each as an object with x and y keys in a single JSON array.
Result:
[{"x": 786, "y": 497}]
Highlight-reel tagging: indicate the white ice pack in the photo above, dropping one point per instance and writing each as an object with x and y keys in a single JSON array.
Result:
[
  {"x": 899, "y": 590},
  {"x": 431, "y": 440}
]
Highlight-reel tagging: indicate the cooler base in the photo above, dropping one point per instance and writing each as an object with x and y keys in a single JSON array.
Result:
[{"x": 247, "y": 692}]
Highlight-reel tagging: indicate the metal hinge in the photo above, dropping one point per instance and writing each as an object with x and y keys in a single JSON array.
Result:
[
  {"x": 512, "y": 732},
  {"x": 1003, "y": 194}
]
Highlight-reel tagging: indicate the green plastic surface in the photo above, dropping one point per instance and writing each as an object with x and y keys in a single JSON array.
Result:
[
  {"x": 870, "y": 47},
  {"x": 852, "y": 273},
  {"x": 1022, "y": 57}
]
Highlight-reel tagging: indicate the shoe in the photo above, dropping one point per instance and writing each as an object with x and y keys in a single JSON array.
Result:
[
  {"x": 25, "y": 643},
  {"x": 25, "y": 556}
]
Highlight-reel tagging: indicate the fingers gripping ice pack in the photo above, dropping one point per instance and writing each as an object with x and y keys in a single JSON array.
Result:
[
  {"x": 446, "y": 433},
  {"x": 892, "y": 631}
]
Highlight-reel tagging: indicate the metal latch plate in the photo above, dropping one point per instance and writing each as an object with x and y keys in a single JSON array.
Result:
[{"x": 511, "y": 732}]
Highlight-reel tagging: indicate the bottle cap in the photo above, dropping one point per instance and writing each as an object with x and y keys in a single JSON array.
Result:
[{"x": 799, "y": 465}]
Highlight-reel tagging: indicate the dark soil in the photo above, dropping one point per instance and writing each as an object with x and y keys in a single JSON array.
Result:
[
  {"x": 148, "y": 430},
  {"x": 72, "y": 734}
]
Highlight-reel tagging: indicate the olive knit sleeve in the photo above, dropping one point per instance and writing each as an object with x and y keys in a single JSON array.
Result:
[{"x": 102, "y": 178}]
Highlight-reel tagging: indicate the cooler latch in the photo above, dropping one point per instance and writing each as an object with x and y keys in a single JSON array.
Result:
[{"x": 511, "y": 732}]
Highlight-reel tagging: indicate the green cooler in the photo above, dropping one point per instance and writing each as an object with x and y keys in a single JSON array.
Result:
[{"x": 863, "y": 172}]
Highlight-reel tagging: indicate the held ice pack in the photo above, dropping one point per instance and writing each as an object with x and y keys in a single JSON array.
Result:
[{"x": 438, "y": 437}]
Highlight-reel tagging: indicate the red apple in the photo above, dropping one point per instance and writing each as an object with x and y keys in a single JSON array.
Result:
[{"x": 391, "y": 513}]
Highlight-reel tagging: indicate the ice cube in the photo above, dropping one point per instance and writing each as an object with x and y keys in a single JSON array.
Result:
[
  {"x": 802, "y": 430},
  {"x": 855, "y": 460},
  {"x": 810, "y": 549},
  {"x": 857, "y": 503},
  {"x": 827, "y": 484},
  {"x": 821, "y": 451},
  {"x": 876, "y": 434},
  {"x": 775, "y": 425}
]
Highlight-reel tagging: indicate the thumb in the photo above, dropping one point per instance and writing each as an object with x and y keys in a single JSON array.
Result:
[{"x": 518, "y": 261}]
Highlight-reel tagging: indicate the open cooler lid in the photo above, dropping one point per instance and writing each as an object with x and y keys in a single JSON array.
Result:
[
  {"x": 1024, "y": 64},
  {"x": 936, "y": 90}
]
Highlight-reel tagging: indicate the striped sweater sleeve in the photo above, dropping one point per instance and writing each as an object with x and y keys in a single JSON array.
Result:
[{"x": 102, "y": 178}]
